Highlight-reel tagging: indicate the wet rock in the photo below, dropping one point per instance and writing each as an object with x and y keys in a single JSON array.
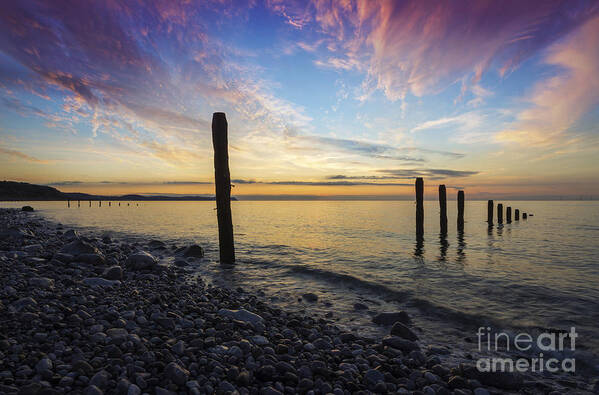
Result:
[
  {"x": 391, "y": 318},
  {"x": 141, "y": 260},
  {"x": 373, "y": 376},
  {"x": 100, "y": 282},
  {"x": 41, "y": 282},
  {"x": 70, "y": 235},
  {"x": 43, "y": 365},
  {"x": 91, "y": 259},
  {"x": 360, "y": 306},
  {"x": 310, "y": 297},
  {"x": 193, "y": 250},
  {"x": 403, "y": 331},
  {"x": 27, "y": 209},
  {"x": 400, "y": 344}
]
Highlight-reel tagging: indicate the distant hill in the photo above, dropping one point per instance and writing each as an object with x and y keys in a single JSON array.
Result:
[{"x": 11, "y": 191}]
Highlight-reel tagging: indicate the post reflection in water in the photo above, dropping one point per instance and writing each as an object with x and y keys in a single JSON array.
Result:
[
  {"x": 443, "y": 246},
  {"x": 419, "y": 249},
  {"x": 461, "y": 257}
]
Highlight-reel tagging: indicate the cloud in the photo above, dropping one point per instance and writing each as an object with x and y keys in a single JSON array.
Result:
[
  {"x": 433, "y": 174},
  {"x": 65, "y": 183},
  {"x": 422, "y": 46},
  {"x": 558, "y": 102},
  {"x": 317, "y": 183},
  {"x": 20, "y": 155}
]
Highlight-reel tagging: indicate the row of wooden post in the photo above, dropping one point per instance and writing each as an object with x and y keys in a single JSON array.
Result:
[
  {"x": 90, "y": 203},
  {"x": 442, "y": 207},
  {"x": 508, "y": 214}
]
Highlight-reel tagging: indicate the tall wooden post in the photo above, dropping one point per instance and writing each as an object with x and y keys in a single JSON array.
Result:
[
  {"x": 90, "y": 203},
  {"x": 419, "y": 206},
  {"x": 499, "y": 213},
  {"x": 490, "y": 212},
  {"x": 517, "y": 215},
  {"x": 508, "y": 215},
  {"x": 68, "y": 203},
  {"x": 460, "y": 211},
  {"x": 100, "y": 204},
  {"x": 109, "y": 204},
  {"x": 443, "y": 208},
  {"x": 78, "y": 203},
  {"x": 222, "y": 181}
]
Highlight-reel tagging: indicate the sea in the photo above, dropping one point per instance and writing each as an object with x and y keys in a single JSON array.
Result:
[{"x": 532, "y": 276}]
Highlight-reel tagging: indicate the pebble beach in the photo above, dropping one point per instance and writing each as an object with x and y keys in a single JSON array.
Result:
[{"x": 95, "y": 315}]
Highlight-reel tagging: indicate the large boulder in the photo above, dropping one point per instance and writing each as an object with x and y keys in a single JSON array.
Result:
[
  {"x": 403, "y": 331},
  {"x": 91, "y": 259},
  {"x": 78, "y": 247},
  {"x": 70, "y": 235},
  {"x": 141, "y": 260},
  {"x": 27, "y": 209},
  {"x": 113, "y": 273}
]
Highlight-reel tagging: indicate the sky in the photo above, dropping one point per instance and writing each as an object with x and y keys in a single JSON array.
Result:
[{"x": 325, "y": 98}]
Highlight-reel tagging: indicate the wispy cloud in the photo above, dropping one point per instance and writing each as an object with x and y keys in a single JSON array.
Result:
[{"x": 20, "y": 155}]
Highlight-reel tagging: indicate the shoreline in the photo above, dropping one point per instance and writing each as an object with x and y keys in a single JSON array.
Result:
[{"x": 74, "y": 324}]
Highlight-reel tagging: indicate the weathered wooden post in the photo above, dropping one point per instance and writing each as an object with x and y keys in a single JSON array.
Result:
[
  {"x": 90, "y": 203},
  {"x": 508, "y": 215},
  {"x": 109, "y": 204},
  {"x": 78, "y": 203},
  {"x": 499, "y": 213},
  {"x": 490, "y": 212},
  {"x": 443, "y": 208},
  {"x": 524, "y": 216},
  {"x": 68, "y": 203},
  {"x": 460, "y": 211},
  {"x": 222, "y": 181},
  {"x": 119, "y": 204},
  {"x": 419, "y": 206},
  {"x": 517, "y": 215}
]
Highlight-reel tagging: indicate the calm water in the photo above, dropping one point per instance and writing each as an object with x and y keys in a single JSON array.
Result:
[{"x": 533, "y": 274}]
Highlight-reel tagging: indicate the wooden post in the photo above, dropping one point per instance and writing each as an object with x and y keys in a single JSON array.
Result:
[
  {"x": 443, "y": 208},
  {"x": 499, "y": 213},
  {"x": 419, "y": 206},
  {"x": 119, "y": 204},
  {"x": 109, "y": 204},
  {"x": 460, "y": 211},
  {"x": 508, "y": 215},
  {"x": 222, "y": 181},
  {"x": 490, "y": 212},
  {"x": 90, "y": 203},
  {"x": 524, "y": 216},
  {"x": 68, "y": 203},
  {"x": 78, "y": 203},
  {"x": 100, "y": 204},
  {"x": 517, "y": 215}
]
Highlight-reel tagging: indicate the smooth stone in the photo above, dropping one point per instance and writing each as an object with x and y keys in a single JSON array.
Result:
[
  {"x": 78, "y": 247},
  {"x": 70, "y": 235},
  {"x": 113, "y": 273},
  {"x": 43, "y": 365},
  {"x": 141, "y": 260},
  {"x": 194, "y": 251},
  {"x": 310, "y": 297},
  {"x": 373, "y": 376},
  {"x": 100, "y": 282},
  {"x": 400, "y": 343},
  {"x": 91, "y": 259},
  {"x": 41, "y": 282},
  {"x": 27, "y": 209},
  {"x": 176, "y": 373},
  {"x": 242, "y": 315}
]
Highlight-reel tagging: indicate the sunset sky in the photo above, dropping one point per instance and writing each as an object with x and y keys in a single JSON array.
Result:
[{"x": 322, "y": 97}]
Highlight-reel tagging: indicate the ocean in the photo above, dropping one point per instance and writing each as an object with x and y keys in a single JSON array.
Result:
[{"x": 534, "y": 275}]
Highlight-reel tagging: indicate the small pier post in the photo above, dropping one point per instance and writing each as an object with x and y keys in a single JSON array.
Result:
[
  {"x": 78, "y": 203},
  {"x": 490, "y": 212},
  {"x": 516, "y": 215},
  {"x": 68, "y": 203},
  {"x": 419, "y": 186},
  {"x": 100, "y": 204},
  {"x": 499, "y": 213},
  {"x": 90, "y": 203},
  {"x": 109, "y": 204},
  {"x": 460, "y": 211},
  {"x": 222, "y": 181},
  {"x": 443, "y": 208},
  {"x": 508, "y": 215},
  {"x": 524, "y": 215}
]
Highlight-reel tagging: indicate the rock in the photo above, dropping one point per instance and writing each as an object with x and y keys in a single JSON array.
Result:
[
  {"x": 91, "y": 259},
  {"x": 179, "y": 348},
  {"x": 391, "y": 318},
  {"x": 32, "y": 248},
  {"x": 83, "y": 367},
  {"x": 43, "y": 365},
  {"x": 499, "y": 379},
  {"x": 100, "y": 379},
  {"x": 22, "y": 303},
  {"x": 133, "y": 390},
  {"x": 27, "y": 209},
  {"x": 41, "y": 282},
  {"x": 456, "y": 382},
  {"x": 310, "y": 297},
  {"x": 176, "y": 373},
  {"x": 16, "y": 233},
  {"x": 92, "y": 390},
  {"x": 64, "y": 258},
  {"x": 157, "y": 244},
  {"x": 260, "y": 340},
  {"x": 400, "y": 344},
  {"x": 70, "y": 235},
  {"x": 100, "y": 282},
  {"x": 481, "y": 391},
  {"x": 373, "y": 377},
  {"x": 360, "y": 306},
  {"x": 113, "y": 273},
  {"x": 403, "y": 331},
  {"x": 242, "y": 315},
  {"x": 78, "y": 247},
  {"x": 193, "y": 250},
  {"x": 141, "y": 260}
]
